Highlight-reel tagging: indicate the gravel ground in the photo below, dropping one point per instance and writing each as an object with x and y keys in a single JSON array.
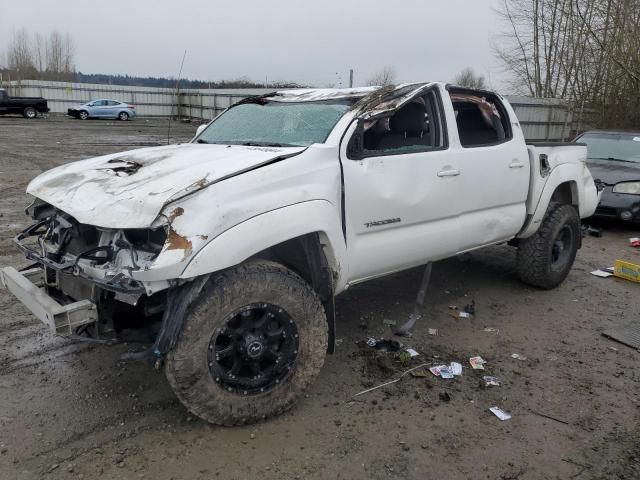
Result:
[{"x": 73, "y": 410}]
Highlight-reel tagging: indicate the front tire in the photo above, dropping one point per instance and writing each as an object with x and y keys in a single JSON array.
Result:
[
  {"x": 253, "y": 341},
  {"x": 545, "y": 259},
  {"x": 83, "y": 115},
  {"x": 30, "y": 113}
]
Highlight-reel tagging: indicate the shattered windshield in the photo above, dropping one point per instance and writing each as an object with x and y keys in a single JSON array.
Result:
[
  {"x": 275, "y": 124},
  {"x": 612, "y": 146}
]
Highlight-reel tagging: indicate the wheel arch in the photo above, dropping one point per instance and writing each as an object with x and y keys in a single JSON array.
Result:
[
  {"x": 560, "y": 188},
  {"x": 307, "y": 256},
  {"x": 304, "y": 237}
]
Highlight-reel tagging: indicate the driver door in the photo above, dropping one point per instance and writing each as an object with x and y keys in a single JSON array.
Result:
[{"x": 400, "y": 196}]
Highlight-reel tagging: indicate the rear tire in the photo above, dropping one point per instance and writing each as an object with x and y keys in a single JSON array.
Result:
[
  {"x": 30, "y": 113},
  {"x": 226, "y": 325},
  {"x": 545, "y": 259},
  {"x": 124, "y": 116},
  {"x": 83, "y": 115}
]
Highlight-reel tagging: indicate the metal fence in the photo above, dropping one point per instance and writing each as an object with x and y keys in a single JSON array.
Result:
[
  {"x": 542, "y": 119},
  {"x": 149, "y": 101}
]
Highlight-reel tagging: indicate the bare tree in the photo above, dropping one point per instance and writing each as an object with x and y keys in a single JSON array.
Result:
[
  {"x": 587, "y": 51},
  {"x": 469, "y": 78},
  {"x": 385, "y": 77},
  {"x": 41, "y": 57},
  {"x": 19, "y": 53}
]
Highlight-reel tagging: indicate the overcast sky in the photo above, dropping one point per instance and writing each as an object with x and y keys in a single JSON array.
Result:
[{"x": 306, "y": 41}]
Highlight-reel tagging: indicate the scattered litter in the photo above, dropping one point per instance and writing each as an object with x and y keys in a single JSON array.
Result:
[
  {"x": 411, "y": 352},
  {"x": 477, "y": 363},
  {"x": 445, "y": 372},
  {"x": 392, "y": 381},
  {"x": 383, "y": 344},
  {"x": 550, "y": 417},
  {"x": 491, "y": 330},
  {"x": 634, "y": 242},
  {"x": 455, "y": 368},
  {"x": 594, "y": 232},
  {"x": 602, "y": 273},
  {"x": 471, "y": 308},
  {"x": 420, "y": 372},
  {"x": 517, "y": 356},
  {"x": 491, "y": 381},
  {"x": 389, "y": 322},
  {"x": 613, "y": 349},
  {"x": 433, "y": 331},
  {"x": 501, "y": 414},
  {"x": 436, "y": 370},
  {"x": 464, "y": 315},
  {"x": 627, "y": 270},
  {"x": 452, "y": 307}
]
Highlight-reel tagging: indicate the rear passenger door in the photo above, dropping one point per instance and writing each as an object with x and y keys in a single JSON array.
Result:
[
  {"x": 112, "y": 108},
  {"x": 494, "y": 168}
]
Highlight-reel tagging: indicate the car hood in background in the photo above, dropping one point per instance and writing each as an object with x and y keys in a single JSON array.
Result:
[
  {"x": 130, "y": 189},
  {"x": 613, "y": 171}
]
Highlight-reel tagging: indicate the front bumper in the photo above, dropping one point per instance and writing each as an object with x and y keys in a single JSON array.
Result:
[
  {"x": 61, "y": 319},
  {"x": 619, "y": 206}
]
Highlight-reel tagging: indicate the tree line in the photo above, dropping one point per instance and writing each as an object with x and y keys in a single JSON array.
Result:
[
  {"x": 52, "y": 57},
  {"x": 586, "y": 51},
  {"x": 38, "y": 56}
]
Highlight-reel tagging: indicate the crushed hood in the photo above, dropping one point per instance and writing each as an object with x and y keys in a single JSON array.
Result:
[{"x": 130, "y": 189}]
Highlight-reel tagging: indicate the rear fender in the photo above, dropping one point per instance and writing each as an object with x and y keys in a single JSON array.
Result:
[{"x": 584, "y": 195}]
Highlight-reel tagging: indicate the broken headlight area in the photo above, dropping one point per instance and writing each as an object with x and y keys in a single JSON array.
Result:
[{"x": 84, "y": 262}]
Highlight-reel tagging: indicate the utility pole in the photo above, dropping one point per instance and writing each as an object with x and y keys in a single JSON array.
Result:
[{"x": 351, "y": 78}]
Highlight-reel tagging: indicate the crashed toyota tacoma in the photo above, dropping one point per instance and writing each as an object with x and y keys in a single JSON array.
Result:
[{"x": 235, "y": 245}]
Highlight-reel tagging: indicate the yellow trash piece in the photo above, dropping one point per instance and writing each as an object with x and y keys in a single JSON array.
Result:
[{"x": 627, "y": 270}]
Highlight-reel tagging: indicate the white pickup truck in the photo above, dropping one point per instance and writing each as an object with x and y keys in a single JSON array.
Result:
[{"x": 236, "y": 243}]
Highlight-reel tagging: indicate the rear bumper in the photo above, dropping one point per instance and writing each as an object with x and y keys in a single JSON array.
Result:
[{"x": 61, "y": 319}]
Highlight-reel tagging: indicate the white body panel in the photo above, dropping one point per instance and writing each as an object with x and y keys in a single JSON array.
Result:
[{"x": 224, "y": 204}]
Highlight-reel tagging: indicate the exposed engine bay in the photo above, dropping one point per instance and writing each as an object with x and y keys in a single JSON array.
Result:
[{"x": 84, "y": 262}]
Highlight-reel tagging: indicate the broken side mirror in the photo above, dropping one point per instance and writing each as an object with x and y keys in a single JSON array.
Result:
[{"x": 355, "y": 149}]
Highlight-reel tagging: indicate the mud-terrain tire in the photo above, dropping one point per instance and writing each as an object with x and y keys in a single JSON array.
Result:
[
  {"x": 545, "y": 259},
  {"x": 29, "y": 112},
  {"x": 255, "y": 283}
]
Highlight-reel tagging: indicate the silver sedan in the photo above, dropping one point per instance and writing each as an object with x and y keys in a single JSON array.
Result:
[{"x": 103, "y": 109}]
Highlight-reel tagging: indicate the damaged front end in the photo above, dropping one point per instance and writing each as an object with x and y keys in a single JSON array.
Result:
[{"x": 81, "y": 279}]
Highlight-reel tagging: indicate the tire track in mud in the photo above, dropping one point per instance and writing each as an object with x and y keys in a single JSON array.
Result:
[{"x": 38, "y": 352}]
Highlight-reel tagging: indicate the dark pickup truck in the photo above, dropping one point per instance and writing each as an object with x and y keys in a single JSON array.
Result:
[{"x": 28, "y": 107}]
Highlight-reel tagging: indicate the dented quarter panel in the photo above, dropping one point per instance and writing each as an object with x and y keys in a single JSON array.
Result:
[{"x": 101, "y": 192}]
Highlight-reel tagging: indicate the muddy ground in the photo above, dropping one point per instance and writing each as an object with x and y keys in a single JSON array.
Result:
[{"x": 73, "y": 410}]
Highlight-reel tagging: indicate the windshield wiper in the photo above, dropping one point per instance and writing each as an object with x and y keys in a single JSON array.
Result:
[
  {"x": 266, "y": 144},
  {"x": 201, "y": 141},
  {"x": 613, "y": 159}
]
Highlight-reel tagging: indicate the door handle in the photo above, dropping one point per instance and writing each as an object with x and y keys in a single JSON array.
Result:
[
  {"x": 448, "y": 173},
  {"x": 516, "y": 165}
]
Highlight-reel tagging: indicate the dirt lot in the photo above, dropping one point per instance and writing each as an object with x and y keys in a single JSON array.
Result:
[{"x": 72, "y": 410}]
